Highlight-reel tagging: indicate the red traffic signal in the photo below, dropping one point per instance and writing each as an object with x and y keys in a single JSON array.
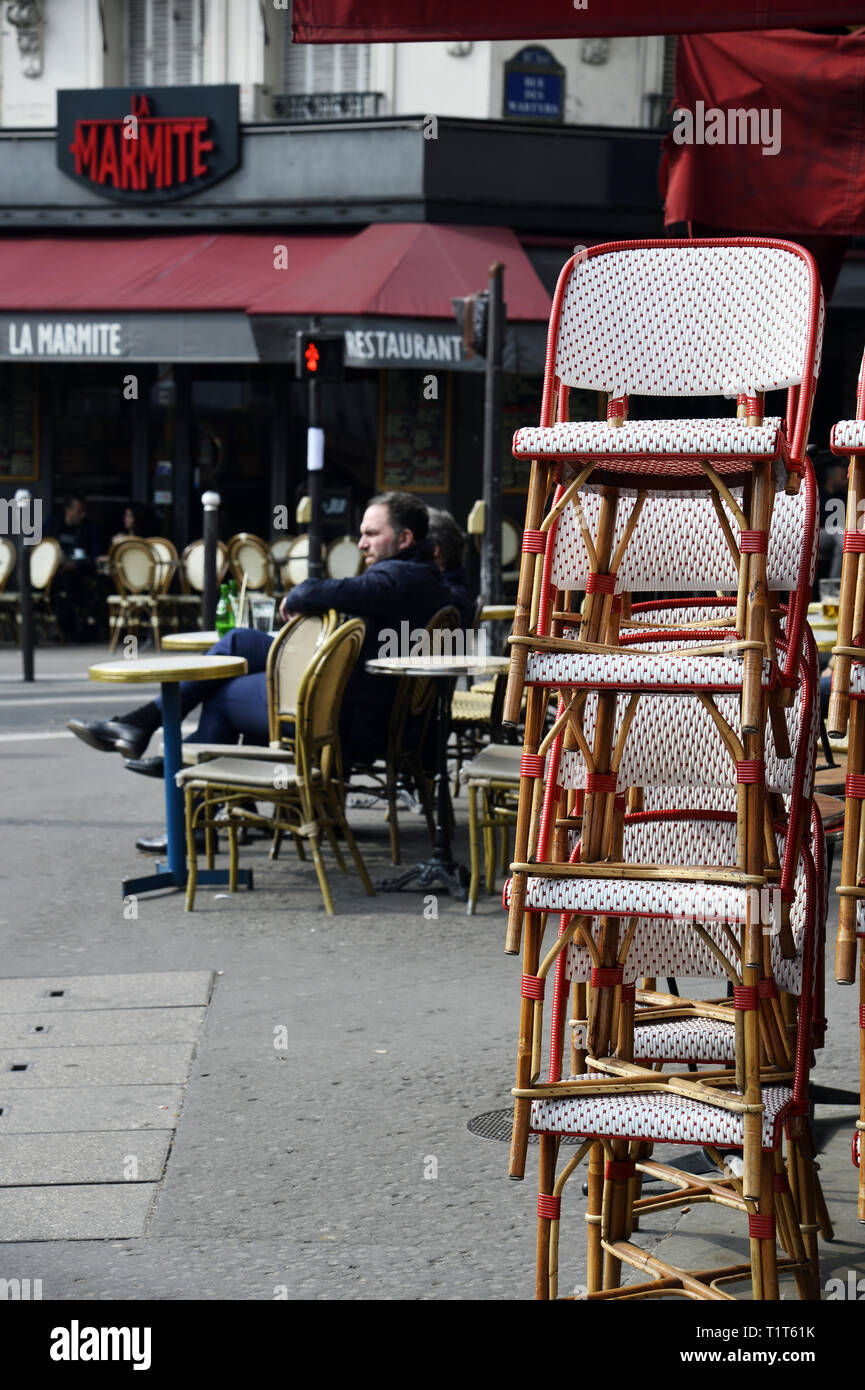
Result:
[{"x": 321, "y": 356}]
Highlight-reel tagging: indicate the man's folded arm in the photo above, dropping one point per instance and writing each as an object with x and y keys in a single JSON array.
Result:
[{"x": 361, "y": 595}]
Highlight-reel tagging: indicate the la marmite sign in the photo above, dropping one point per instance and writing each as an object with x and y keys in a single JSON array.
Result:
[{"x": 144, "y": 146}]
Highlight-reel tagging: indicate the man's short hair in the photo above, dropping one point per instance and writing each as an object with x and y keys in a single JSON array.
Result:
[
  {"x": 447, "y": 534},
  {"x": 407, "y": 513}
]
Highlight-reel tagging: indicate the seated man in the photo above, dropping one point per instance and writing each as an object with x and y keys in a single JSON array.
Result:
[{"x": 401, "y": 582}]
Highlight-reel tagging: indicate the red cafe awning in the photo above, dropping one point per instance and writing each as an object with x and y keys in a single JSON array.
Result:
[
  {"x": 807, "y": 96},
  {"x": 411, "y": 270},
  {"x": 371, "y": 21},
  {"x": 127, "y": 274}
]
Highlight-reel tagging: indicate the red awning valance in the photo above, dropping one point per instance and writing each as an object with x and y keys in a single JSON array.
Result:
[
  {"x": 371, "y": 21},
  {"x": 127, "y": 274}
]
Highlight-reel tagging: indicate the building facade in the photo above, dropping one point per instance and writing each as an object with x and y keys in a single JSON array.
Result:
[{"x": 172, "y": 175}]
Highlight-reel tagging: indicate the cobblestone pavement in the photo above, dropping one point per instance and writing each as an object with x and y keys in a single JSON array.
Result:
[{"x": 322, "y": 1148}]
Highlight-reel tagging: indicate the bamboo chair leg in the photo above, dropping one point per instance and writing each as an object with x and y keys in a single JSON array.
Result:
[
  {"x": 489, "y": 836},
  {"x": 616, "y": 1205},
  {"x": 807, "y": 1204},
  {"x": 861, "y": 1127},
  {"x": 548, "y": 1146},
  {"x": 337, "y": 852},
  {"x": 474, "y": 851},
  {"x": 354, "y": 852},
  {"x": 232, "y": 856},
  {"x": 594, "y": 1207},
  {"x": 191, "y": 854},
  {"x": 321, "y": 872}
]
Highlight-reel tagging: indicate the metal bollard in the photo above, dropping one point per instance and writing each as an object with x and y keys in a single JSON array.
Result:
[
  {"x": 210, "y": 502},
  {"x": 22, "y": 498}
]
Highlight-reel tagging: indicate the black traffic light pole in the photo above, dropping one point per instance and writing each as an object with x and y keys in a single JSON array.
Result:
[
  {"x": 314, "y": 469},
  {"x": 491, "y": 554}
]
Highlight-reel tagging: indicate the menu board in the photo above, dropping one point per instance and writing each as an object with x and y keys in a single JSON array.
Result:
[
  {"x": 19, "y": 446},
  {"x": 521, "y": 406},
  {"x": 414, "y": 445}
]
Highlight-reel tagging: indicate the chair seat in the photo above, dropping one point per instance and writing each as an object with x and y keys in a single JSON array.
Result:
[
  {"x": 857, "y": 679},
  {"x": 664, "y": 1118},
  {"x": 262, "y": 774},
  {"x": 680, "y": 902},
  {"x": 498, "y": 762},
  {"x": 846, "y": 436},
  {"x": 669, "y": 671},
  {"x": 685, "y": 1040},
  {"x": 193, "y": 753},
  {"x": 663, "y": 448}
]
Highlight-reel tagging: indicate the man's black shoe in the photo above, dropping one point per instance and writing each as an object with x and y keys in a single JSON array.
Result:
[
  {"x": 158, "y": 844},
  {"x": 148, "y": 767},
  {"x": 111, "y": 736}
]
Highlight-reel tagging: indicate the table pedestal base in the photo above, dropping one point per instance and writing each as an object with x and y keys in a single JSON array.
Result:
[
  {"x": 164, "y": 878},
  {"x": 437, "y": 871}
]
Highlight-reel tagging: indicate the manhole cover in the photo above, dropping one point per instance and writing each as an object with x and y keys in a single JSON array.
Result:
[{"x": 497, "y": 1124}]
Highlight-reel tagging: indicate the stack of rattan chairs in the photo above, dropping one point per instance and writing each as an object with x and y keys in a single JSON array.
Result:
[
  {"x": 847, "y": 716},
  {"x": 665, "y": 822}
]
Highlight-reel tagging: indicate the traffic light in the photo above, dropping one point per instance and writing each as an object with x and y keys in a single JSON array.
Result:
[{"x": 320, "y": 356}]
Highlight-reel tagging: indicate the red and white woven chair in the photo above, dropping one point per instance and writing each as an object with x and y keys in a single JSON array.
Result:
[
  {"x": 671, "y": 932},
  {"x": 846, "y": 708},
  {"x": 618, "y": 1126}
]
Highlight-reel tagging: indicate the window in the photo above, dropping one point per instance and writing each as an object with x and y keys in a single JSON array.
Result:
[
  {"x": 325, "y": 80},
  {"x": 164, "y": 42}
]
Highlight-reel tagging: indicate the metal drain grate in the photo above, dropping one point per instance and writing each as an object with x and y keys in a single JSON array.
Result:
[{"x": 497, "y": 1124}]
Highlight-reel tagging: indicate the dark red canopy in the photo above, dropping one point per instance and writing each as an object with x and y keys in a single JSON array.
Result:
[
  {"x": 370, "y": 21},
  {"x": 808, "y": 95},
  {"x": 411, "y": 270}
]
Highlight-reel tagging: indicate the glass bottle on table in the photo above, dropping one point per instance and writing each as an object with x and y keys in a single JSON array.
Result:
[
  {"x": 234, "y": 602},
  {"x": 224, "y": 614}
]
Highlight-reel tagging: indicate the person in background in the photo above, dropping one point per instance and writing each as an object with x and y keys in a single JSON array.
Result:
[
  {"x": 400, "y": 582},
  {"x": 137, "y": 521},
  {"x": 449, "y": 548},
  {"x": 77, "y": 539}
]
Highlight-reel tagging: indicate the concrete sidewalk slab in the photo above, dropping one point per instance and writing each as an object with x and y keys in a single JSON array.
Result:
[
  {"x": 29, "y": 1160},
  {"x": 102, "y": 1027},
  {"x": 68, "y": 1109},
  {"x": 106, "y": 1212},
  {"x": 57, "y": 993},
  {"x": 132, "y": 1065}
]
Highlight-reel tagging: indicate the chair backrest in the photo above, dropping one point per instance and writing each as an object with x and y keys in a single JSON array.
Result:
[
  {"x": 319, "y": 701},
  {"x": 678, "y": 744},
  {"x": 45, "y": 559},
  {"x": 166, "y": 563},
  {"x": 8, "y": 560},
  {"x": 683, "y": 318},
  {"x": 192, "y": 565},
  {"x": 510, "y": 543},
  {"x": 249, "y": 555},
  {"x": 291, "y": 651},
  {"x": 678, "y": 545},
  {"x": 294, "y": 568},
  {"x": 663, "y": 947},
  {"x": 133, "y": 566},
  {"x": 343, "y": 559},
  {"x": 280, "y": 548}
]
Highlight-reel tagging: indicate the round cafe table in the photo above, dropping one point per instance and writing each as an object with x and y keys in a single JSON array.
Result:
[
  {"x": 169, "y": 671},
  {"x": 441, "y": 869},
  {"x": 189, "y": 641}
]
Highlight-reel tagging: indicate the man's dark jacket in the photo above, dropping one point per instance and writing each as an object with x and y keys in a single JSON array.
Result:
[{"x": 408, "y": 588}]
